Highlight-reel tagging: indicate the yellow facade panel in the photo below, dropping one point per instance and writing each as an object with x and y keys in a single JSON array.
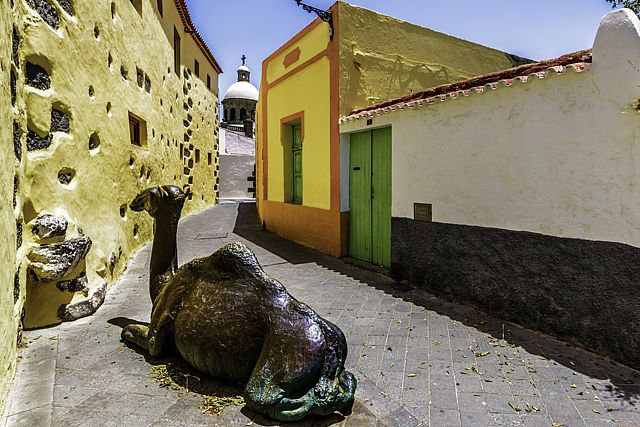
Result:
[
  {"x": 308, "y": 92},
  {"x": 309, "y": 45}
]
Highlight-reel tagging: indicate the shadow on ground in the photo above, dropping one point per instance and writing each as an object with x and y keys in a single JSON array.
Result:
[{"x": 624, "y": 381}]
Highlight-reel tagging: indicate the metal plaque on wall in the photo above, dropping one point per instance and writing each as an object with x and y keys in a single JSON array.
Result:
[{"x": 423, "y": 212}]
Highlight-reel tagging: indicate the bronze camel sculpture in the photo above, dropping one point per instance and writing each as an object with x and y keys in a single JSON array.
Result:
[{"x": 229, "y": 319}]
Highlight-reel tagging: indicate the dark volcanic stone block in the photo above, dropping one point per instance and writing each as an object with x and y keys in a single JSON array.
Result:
[
  {"x": 18, "y": 235},
  {"x": 17, "y": 143},
  {"x": 16, "y": 287},
  {"x": 77, "y": 284},
  {"x": 71, "y": 312},
  {"x": 15, "y": 44},
  {"x": 37, "y": 142},
  {"x": 65, "y": 176},
  {"x": 38, "y": 77},
  {"x": 15, "y": 191},
  {"x": 60, "y": 121},
  {"x": 583, "y": 291},
  {"x": 48, "y": 226},
  {"x": 67, "y": 6},
  {"x": 46, "y": 11},
  {"x": 13, "y": 82},
  {"x": 53, "y": 262}
]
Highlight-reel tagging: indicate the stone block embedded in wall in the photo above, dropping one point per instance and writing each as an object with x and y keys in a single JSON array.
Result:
[
  {"x": 54, "y": 261},
  {"x": 48, "y": 226},
  {"x": 47, "y": 12},
  {"x": 78, "y": 310},
  {"x": 60, "y": 121},
  {"x": 37, "y": 77},
  {"x": 17, "y": 143},
  {"x": 77, "y": 284},
  {"x": 37, "y": 142},
  {"x": 67, "y": 6}
]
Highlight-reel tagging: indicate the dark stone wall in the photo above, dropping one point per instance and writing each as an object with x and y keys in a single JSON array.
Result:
[
  {"x": 586, "y": 292},
  {"x": 46, "y": 11},
  {"x": 38, "y": 77}
]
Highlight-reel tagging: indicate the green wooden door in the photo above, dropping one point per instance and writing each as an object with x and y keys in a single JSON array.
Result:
[
  {"x": 360, "y": 196},
  {"x": 370, "y": 196},
  {"x": 296, "y": 169},
  {"x": 381, "y": 196}
]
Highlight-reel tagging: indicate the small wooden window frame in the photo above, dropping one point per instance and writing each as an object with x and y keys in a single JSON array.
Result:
[{"x": 137, "y": 131}]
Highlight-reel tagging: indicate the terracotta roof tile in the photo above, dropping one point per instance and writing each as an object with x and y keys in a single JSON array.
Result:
[
  {"x": 578, "y": 62},
  {"x": 190, "y": 28}
]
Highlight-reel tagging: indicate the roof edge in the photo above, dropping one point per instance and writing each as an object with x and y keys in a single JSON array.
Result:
[
  {"x": 190, "y": 28},
  {"x": 583, "y": 56}
]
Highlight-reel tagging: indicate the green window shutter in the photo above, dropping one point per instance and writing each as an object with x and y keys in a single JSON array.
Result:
[{"x": 296, "y": 158}]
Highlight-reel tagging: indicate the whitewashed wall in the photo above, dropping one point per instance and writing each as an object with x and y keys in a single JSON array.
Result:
[
  {"x": 558, "y": 155},
  {"x": 234, "y": 171}
]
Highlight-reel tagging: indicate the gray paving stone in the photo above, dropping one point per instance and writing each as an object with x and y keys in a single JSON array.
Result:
[{"x": 35, "y": 417}]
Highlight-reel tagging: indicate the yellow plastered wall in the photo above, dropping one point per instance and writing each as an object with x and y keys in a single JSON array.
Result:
[
  {"x": 9, "y": 308},
  {"x": 88, "y": 51},
  {"x": 308, "y": 91},
  {"x": 383, "y": 58},
  {"x": 314, "y": 84}
]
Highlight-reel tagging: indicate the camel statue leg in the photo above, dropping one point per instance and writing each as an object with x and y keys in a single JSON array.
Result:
[
  {"x": 152, "y": 338},
  {"x": 264, "y": 392},
  {"x": 136, "y": 334}
]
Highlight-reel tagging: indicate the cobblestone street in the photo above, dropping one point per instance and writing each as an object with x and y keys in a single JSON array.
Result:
[{"x": 419, "y": 360}]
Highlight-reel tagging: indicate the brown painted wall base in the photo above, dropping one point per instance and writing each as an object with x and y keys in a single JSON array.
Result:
[{"x": 326, "y": 231}]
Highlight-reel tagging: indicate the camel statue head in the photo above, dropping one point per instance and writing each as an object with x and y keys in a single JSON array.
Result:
[{"x": 166, "y": 200}]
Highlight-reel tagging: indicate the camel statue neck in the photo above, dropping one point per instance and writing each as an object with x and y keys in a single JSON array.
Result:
[{"x": 164, "y": 254}]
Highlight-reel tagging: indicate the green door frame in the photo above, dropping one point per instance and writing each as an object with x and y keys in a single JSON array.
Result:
[
  {"x": 296, "y": 163},
  {"x": 370, "y": 196}
]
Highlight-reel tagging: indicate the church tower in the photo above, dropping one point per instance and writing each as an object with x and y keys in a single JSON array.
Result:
[{"x": 239, "y": 103}]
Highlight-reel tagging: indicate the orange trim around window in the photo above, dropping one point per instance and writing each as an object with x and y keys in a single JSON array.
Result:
[{"x": 299, "y": 116}]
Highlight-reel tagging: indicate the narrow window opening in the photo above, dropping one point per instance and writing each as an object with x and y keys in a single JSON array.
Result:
[
  {"x": 176, "y": 51},
  {"x": 160, "y": 11},
  {"x": 196, "y": 66},
  {"x": 137, "y": 131},
  {"x": 208, "y": 82},
  {"x": 197, "y": 155}
]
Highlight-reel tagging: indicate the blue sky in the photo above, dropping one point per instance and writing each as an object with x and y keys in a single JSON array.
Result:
[{"x": 534, "y": 29}]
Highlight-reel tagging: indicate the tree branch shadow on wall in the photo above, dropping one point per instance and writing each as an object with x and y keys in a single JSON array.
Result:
[{"x": 610, "y": 382}]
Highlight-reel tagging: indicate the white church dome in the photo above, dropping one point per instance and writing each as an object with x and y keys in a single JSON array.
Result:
[{"x": 242, "y": 90}]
